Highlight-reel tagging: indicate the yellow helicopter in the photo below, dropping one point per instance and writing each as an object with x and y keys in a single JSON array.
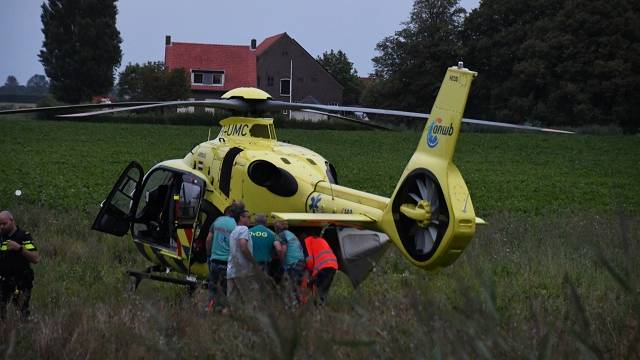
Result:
[{"x": 168, "y": 210}]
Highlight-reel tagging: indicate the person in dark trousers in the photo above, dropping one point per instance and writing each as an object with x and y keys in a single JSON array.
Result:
[
  {"x": 242, "y": 288},
  {"x": 321, "y": 264},
  {"x": 218, "y": 249},
  {"x": 292, "y": 256},
  {"x": 17, "y": 253}
]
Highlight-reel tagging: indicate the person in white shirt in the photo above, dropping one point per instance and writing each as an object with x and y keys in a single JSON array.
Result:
[{"x": 241, "y": 283}]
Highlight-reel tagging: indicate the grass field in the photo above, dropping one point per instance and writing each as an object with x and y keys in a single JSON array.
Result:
[
  {"x": 73, "y": 165},
  {"x": 555, "y": 273}
]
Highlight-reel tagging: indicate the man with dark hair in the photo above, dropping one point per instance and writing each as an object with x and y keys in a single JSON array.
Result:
[{"x": 17, "y": 252}]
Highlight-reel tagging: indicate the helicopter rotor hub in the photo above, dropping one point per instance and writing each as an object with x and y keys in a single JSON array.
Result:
[{"x": 420, "y": 212}]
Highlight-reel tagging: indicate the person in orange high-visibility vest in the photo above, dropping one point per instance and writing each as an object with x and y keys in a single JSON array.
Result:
[{"x": 321, "y": 264}]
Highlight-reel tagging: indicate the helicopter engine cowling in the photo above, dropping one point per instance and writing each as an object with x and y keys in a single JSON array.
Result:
[{"x": 277, "y": 180}]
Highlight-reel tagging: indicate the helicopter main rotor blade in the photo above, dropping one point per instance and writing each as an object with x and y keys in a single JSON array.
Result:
[
  {"x": 76, "y": 107},
  {"x": 361, "y": 122},
  {"x": 274, "y": 105},
  {"x": 228, "y": 104},
  {"x": 263, "y": 106},
  {"x": 514, "y": 126}
]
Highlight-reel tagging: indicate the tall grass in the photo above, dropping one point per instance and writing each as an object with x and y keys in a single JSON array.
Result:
[{"x": 541, "y": 287}]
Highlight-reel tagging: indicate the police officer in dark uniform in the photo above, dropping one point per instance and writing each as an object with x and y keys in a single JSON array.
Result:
[{"x": 17, "y": 252}]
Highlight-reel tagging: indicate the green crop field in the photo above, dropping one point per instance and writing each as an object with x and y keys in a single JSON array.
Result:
[
  {"x": 554, "y": 274},
  {"x": 73, "y": 165}
]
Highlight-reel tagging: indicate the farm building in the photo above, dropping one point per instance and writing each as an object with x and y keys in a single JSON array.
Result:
[{"x": 278, "y": 65}]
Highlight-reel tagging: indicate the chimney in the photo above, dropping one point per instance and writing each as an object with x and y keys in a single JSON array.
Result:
[
  {"x": 253, "y": 44},
  {"x": 167, "y": 40}
]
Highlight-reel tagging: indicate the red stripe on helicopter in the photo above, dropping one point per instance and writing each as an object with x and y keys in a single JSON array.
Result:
[{"x": 189, "y": 233}]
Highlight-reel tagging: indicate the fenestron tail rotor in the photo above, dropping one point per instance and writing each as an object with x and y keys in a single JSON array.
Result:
[
  {"x": 427, "y": 230},
  {"x": 421, "y": 220}
]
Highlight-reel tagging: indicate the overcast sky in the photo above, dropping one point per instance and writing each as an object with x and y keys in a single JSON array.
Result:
[{"x": 348, "y": 25}]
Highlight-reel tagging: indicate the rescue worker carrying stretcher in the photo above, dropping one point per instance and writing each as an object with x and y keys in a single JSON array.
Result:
[{"x": 321, "y": 264}]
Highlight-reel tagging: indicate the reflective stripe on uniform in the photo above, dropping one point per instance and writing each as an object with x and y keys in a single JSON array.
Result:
[
  {"x": 324, "y": 252},
  {"x": 324, "y": 262}
]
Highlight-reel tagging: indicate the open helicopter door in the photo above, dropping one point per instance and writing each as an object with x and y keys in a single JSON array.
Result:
[
  {"x": 187, "y": 202},
  {"x": 166, "y": 214},
  {"x": 115, "y": 215}
]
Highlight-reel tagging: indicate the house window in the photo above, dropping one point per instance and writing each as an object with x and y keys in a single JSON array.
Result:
[
  {"x": 209, "y": 78},
  {"x": 285, "y": 87}
]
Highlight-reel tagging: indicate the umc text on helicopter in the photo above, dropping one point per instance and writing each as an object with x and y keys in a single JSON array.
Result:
[{"x": 236, "y": 130}]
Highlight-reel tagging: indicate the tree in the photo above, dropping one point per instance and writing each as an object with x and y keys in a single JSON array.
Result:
[
  {"x": 153, "y": 81},
  {"x": 11, "y": 82},
  {"x": 38, "y": 84},
  {"x": 563, "y": 62},
  {"x": 81, "y": 47},
  {"x": 409, "y": 69},
  {"x": 12, "y": 87},
  {"x": 339, "y": 66}
]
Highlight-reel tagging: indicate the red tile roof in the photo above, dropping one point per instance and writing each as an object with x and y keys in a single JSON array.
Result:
[
  {"x": 264, "y": 45},
  {"x": 238, "y": 63}
]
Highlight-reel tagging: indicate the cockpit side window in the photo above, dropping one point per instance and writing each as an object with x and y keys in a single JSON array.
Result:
[{"x": 260, "y": 131}]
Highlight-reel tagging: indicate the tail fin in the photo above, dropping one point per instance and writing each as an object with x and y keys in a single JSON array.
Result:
[{"x": 430, "y": 216}]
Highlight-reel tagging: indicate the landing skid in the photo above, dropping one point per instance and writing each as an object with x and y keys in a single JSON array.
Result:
[{"x": 148, "y": 273}]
